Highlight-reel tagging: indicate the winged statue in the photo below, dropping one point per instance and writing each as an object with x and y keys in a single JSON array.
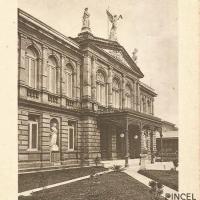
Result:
[{"x": 113, "y": 19}]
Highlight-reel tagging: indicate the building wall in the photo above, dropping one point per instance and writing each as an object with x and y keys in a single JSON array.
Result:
[
  {"x": 81, "y": 106},
  {"x": 41, "y": 156}
]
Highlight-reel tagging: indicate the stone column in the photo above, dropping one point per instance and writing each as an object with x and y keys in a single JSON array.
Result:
[
  {"x": 58, "y": 80},
  {"x": 22, "y": 71},
  {"x": 44, "y": 140},
  {"x": 138, "y": 97},
  {"x": 64, "y": 139},
  {"x": 44, "y": 67},
  {"x": 86, "y": 77},
  {"x": 63, "y": 89},
  {"x": 110, "y": 76},
  {"x": 74, "y": 84},
  {"x": 93, "y": 81},
  {"x": 39, "y": 85},
  {"x": 126, "y": 143},
  {"x": 142, "y": 139},
  {"x": 123, "y": 92},
  {"x": 149, "y": 143},
  {"x": 44, "y": 73},
  {"x": 135, "y": 96},
  {"x": 146, "y": 104},
  {"x": 152, "y": 106},
  {"x": 141, "y": 104},
  {"x": 23, "y": 79},
  {"x": 161, "y": 144},
  {"x": 90, "y": 139},
  {"x": 78, "y": 81},
  {"x": 154, "y": 141},
  {"x": 114, "y": 147}
]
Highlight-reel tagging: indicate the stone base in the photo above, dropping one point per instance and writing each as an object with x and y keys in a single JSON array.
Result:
[
  {"x": 55, "y": 158},
  {"x": 143, "y": 161}
]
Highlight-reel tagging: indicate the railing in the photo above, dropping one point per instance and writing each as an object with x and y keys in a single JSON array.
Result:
[
  {"x": 32, "y": 93},
  {"x": 53, "y": 98},
  {"x": 70, "y": 103}
]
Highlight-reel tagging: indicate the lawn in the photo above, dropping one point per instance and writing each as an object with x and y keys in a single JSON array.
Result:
[
  {"x": 110, "y": 186},
  {"x": 40, "y": 179},
  {"x": 166, "y": 177}
]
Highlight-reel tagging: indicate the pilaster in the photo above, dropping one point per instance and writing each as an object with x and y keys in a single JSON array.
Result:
[
  {"x": 138, "y": 97},
  {"x": 123, "y": 92},
  {"x": 93, "y": 79},
  {"x": 86, "y": 77},
  {"x": 44, "y": 67},
  {"x": 134, "y": 96},
  {"x": 23, "y": 78},
  {"x": 78, "y": 81},
  {"x": 110, "y": 77}
]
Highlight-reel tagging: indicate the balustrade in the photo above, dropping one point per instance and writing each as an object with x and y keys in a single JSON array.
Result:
[
  {"x": 52, "y": 98},
  {"x": 32, "y": 93}
]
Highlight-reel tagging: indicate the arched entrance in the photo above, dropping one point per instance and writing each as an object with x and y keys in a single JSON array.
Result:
[{"x": 134, "y": 141}]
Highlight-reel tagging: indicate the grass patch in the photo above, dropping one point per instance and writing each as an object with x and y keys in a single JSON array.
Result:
[
  {"x": 166, "y": 177},
  {"x": 40, "y": 179},
  {"x": 110, "y": 186}
]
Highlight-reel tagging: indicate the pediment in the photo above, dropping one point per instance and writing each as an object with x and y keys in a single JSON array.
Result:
[
  {"x": 117, "y": 54},
  {"x": 122, "y": 56}
]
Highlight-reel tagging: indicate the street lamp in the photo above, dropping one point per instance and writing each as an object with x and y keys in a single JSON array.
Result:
[
  {"x": 135, "y": 137},
  {"x": 121, "y": 135}
]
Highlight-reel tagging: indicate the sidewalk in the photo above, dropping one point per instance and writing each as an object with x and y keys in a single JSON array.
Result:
[
  {"x": 145, "y": 180},
  {"x": 134, "y": 167}
]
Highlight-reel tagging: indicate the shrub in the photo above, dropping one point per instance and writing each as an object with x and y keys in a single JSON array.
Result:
[
  {"x": 175, "y": 162},
  {"x": 97, "y": 161},
  {"x": 156, "y": 190},
  {"x": 117, "y": 168}
]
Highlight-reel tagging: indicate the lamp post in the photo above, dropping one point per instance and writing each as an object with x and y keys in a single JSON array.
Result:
[{"x": 126, "y": 143}]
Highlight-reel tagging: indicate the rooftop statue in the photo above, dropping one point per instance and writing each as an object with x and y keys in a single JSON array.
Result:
[
  {"x": 86, "y": 21},
  {"x": 113, "y": 19},
  {"x": 134, "y": 56}
]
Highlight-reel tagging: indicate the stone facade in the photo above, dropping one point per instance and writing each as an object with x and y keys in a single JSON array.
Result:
[{"x": 88, "y": 86}]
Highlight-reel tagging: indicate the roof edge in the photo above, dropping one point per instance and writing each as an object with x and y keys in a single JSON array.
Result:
[{"x": 41, "y": 24}]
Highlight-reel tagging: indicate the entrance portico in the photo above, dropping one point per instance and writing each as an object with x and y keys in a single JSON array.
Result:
[{"x": 126, "y": 134}]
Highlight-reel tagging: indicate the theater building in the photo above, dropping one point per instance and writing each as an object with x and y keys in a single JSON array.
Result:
[{"x": 78, "y": 99}]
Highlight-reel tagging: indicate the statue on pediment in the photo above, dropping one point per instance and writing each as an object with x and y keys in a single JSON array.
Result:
[
  {"x": 134, "y": 56},
  {"x": 86, "y": 20},
  {"x": 113, "y": 19}
]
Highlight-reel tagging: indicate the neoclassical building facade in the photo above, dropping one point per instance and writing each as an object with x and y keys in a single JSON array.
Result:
[{"x": 89, "y": 89}]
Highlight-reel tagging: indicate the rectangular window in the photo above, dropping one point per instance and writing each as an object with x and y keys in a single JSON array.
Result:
[{"x": 33, "y": 135}]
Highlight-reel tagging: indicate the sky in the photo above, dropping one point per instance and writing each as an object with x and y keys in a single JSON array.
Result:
[{"x": 148, "y": 25}]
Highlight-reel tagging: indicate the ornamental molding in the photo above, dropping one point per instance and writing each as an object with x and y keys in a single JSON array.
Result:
[
  {"x": 26, "y": 42},
  {"x": 117, "y": 54}
]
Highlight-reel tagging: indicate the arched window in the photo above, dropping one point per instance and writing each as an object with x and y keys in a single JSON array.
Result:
[
  {"x": 116, "y": 93},
  {"x": 32, "y": 67},
  {"x": 101, "y": 88},
  {"x": 52, "y": 75},
  {"x": 127, "y": 96},
  {"x": 69, "y": 81}
]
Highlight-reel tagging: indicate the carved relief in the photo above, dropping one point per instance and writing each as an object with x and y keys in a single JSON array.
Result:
[{"x": 117, "y": 54}]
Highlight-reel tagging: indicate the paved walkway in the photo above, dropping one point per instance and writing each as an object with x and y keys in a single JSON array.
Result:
[
  {"x": 134, "y": 167},
  {"x": 145, "y": 180}
]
